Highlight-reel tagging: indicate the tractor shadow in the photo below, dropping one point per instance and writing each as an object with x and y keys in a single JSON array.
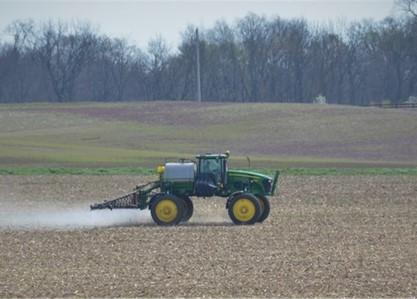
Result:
[
  {"x": 181, "y": 225},
  {"x": 205, "y": 223}
]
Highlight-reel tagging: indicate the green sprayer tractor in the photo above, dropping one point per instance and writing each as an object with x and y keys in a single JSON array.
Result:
[{"x": 169, "y": 198}]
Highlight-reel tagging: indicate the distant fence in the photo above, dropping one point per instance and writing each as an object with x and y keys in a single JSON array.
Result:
[{"x": 393, "y": 106}]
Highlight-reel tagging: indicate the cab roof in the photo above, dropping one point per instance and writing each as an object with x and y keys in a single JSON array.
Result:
[{"x": 212, "y": 156}]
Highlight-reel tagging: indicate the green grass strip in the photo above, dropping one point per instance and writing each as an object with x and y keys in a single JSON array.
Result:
[
  {"x": 349, "y": 171},
  {"x": 151, "y": 171}
]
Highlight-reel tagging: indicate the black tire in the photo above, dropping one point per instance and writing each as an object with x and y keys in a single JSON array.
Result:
[
  {"x": 265, "y": 208},
  {"x": 244, "y": 209},
  {"x": 171, "y": 211},
  {"x": 188, "y": 210}
]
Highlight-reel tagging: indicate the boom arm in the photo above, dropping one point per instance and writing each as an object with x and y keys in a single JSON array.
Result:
[{"x": 137, "y": 199}]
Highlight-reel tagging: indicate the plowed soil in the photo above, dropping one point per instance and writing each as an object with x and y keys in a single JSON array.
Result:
[{"x": 326, "y": 236}]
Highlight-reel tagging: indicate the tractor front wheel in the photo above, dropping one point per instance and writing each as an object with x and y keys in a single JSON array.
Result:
[
  {"x": 244, "y": 209},
  {"x": 189, "y": 209},
  {"x": 265, "y": 208},
  {"x": 167, "y": 210}
]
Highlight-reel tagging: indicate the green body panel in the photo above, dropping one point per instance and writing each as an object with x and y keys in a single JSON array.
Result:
[
  {"x": 248, "y": 181},
  {"x": 248, "y": 174},
  {"x": 181, "y": 189},
  {"x": 236, "y": 180}
]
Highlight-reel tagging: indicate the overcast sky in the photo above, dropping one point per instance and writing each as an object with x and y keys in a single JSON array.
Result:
[{"x": 140, "y": 21}]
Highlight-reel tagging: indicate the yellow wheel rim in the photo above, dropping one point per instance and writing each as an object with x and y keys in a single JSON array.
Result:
[
  {"x": 166, "y": 210},
  {"x": 244, "y": 210}
]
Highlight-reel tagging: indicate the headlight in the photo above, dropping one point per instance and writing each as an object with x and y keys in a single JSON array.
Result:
[{"x": 267, "y": 185}]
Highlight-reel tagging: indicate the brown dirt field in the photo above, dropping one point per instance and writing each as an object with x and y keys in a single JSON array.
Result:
[{"x": 327, "y": 236}]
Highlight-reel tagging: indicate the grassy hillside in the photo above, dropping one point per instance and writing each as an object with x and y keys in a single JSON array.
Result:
[{"x": 144, "y": 134}]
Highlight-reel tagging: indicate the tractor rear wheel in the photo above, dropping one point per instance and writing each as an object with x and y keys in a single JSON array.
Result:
[
  {"x": 188, "y": 210},
  {"x": 244, "y": 209},
  {"x": 265, "y": 208},
  {"x": 167, "y": 210}
]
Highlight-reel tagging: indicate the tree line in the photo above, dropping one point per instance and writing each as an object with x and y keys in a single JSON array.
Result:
[{"x": 255, "y": 59}]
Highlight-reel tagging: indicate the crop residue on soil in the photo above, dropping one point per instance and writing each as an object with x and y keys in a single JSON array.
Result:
[{"x": 330, "y": 236}]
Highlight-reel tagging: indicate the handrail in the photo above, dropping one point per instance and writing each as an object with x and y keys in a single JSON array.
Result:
[{"x": 274, "y": 184}]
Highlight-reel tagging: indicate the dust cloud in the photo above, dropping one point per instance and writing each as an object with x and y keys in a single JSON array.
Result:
[{"x": 78, "y": 217}]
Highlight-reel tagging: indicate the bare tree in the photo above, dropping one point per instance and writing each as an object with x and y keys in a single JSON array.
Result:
[
  {"x": 138, "y": 76},
  {"x": 158, "y": 63},
  {"x": 19, "y": 60},
  {"x": 64, "y": 50},
  {"x": 254, "y": 36},
  {"x": 98, "y": 71},
  {"x": 222, "y": 68},
  {"x": 253, "y": 59},
  {"x": 122, "y": 57},
  {"x": 408, "y": 6}
]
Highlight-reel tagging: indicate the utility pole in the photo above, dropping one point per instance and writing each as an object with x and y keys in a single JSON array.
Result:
[{"x": 197, "y": 42}]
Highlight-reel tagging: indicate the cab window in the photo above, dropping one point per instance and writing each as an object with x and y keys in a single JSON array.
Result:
[{"x": 211, "y": 166}]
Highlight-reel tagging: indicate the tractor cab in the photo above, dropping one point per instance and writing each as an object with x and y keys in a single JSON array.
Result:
[{"x": 211, "y": 174}]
